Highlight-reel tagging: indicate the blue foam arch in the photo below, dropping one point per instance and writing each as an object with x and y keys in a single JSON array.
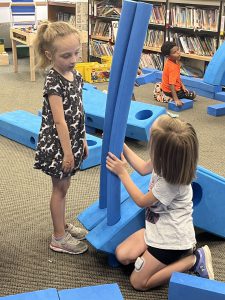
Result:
[
  {"x": 215, "y": 72},
  {"x": 137, "y": 37},
  {"x": 123, "y": 35}
]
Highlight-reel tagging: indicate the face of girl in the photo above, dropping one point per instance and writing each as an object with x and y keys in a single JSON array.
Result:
[{"x": 66, "y": 53}]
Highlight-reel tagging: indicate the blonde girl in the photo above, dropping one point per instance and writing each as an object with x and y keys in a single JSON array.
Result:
[
  {"x": 166, "y": 243},
  {"x": 62, "y": 143}
]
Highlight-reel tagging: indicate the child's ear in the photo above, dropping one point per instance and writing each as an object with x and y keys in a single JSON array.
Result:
[{"x": 48, "y": 55}]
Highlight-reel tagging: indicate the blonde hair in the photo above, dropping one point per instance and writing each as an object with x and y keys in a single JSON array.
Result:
[
  {"x": 47, "y": 33},
  {"x": 174, "y": 150}
]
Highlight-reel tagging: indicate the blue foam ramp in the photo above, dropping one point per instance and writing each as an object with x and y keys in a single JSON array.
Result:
[
  {"x": 215, "y": 71},
  {"x": 134, "y": 50},
  {"x": 140, "y": 118},
  {"x": 187, "y": 104},
  {"x": 208, "y": 201},
  {"x": 23, "y": 127},
  {"x": 146, "y": 78},
  {"x": 97, "y": 292},
  {"x": 49, "y": 294},
  {"x": 220, "y": 96},
  {"x": 216, "y": 110},
  {"x": 186, "y": 287},
  {"x": 122, "y": 40},
  {"x": 93, "y": 215}
]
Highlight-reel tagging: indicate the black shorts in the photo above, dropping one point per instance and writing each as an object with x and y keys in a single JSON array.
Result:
[{"x": 167, "y": 256}]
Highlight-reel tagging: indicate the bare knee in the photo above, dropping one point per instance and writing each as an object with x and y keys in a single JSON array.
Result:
[
  {"x": 122, "y": 255},
  {"x": 137, "y": 284}
]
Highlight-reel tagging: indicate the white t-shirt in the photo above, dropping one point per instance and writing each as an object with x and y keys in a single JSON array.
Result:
[{"x": 169, "y": 222}]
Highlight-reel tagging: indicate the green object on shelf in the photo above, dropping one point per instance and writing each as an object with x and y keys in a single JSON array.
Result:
[{"x": 22, "y": 51}]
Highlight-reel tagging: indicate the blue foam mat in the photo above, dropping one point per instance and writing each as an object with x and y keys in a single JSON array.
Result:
[{"x": 49, "y": 294}]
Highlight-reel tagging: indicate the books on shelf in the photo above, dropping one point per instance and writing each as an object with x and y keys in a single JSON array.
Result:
[
  {"x": 154, "y": 38},
  {"x": 99, "y": 48},
  {"x": 158, "y": 14},
  {"x": 151, "y": 60},
  {"x": 102, "y": 29},
  {"x": 194, "y": 17}
]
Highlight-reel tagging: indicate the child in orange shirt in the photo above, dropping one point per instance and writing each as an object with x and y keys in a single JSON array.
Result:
[{"x": 171, "y": 86}]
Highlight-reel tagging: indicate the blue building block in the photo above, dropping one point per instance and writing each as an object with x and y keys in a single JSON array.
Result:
[
  {"x": 88, "y": 86},
  {"x": 93, "y": 215},
  {"x": 23, "y": 127},
  {"x": 49, "y": 294},
  {"x": 215, "y": 71},
  {"x": 140, "y": 118},
  {"x": 98, "y": 292},
  {"x": 187, "y": 104},
  {"x": 188, "y": 287},
  {"x": 208, "y": 201},
  {"x": 220, "y": 96},
  {"x": 146, "y": 78},
  {"x": 198, "y": 83},
  {"x": 158, "y": 73},
  {"x": 216, "y": 110}
]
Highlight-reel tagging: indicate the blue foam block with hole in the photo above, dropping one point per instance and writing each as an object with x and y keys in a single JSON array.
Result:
[
  {"x": 36, "y": 295},
  {"x": 93, "y": 215},
  {"x": 96, "y": 292},
  {"x": 208, "y": 201},
  {"x": 216, "y": 110},
  {"x": 215, "y": 71},
  {"x": 186, "y": 287},
  {"x": 140, "y": 118},
  {"x": 220, "y": 96},
  {"x": 187, "y": 104},
  {"x": 23, "y": 127},
  {"x": 146, "y": 78}
]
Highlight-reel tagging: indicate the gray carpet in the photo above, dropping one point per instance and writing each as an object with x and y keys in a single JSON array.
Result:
[{"x": 26, "y": 262}]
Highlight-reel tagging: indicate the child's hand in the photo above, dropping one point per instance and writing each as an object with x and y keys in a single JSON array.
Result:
[
  {"x": 116, "y": 165},
  {"x": 178, "y": 102},
  {"x": 68, "y": 163}
]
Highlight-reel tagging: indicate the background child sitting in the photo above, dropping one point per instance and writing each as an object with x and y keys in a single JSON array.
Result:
[{"x": 171, "y": 88}]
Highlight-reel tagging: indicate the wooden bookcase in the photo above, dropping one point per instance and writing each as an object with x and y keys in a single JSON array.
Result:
[{"x": 162, "y": 27}]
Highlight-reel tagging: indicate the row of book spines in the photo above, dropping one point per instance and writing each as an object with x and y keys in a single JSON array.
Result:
[
  {"x": 151, "y": 60},
  {"x": 66, "y": 17},
  {"x": 99, "y": 49}
]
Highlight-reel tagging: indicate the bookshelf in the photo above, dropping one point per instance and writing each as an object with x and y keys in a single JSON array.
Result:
[
  {"x": 196, "y": 26},
  {"x": 74, "y": 12}
]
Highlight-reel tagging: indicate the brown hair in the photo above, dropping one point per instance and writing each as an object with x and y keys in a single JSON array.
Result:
[
  {"x": 174, "y": 150},
  {"x": 44, "y": 41}
]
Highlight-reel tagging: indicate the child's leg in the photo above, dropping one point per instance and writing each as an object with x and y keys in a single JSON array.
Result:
[
  {"x": 134, "y": 246},
  {"x": 153, "y": 273},
  {"x": 57, "y": 204},
  {"x": 190, "y": 95}
]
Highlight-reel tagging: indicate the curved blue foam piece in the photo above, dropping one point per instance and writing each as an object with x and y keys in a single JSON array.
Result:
[
  {"x": 137, "y": 37},
  {"x": 215, "y": 72},
  {"x": 208, "y": 200},
  {"x": 123, "y": 35}
]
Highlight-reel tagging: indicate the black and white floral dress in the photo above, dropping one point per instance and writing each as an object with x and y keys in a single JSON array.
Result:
[{"x": 49, "y": 153}]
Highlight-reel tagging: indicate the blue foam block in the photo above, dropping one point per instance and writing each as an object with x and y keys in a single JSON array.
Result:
[
  {"x": 23, "y": 127},
  {"x": 186, "y": 287},
  {"x": 134, "y": 50},
  {"x": 220, "y": 96},
  {"x": 216, "y": 110},
  {"x": 208, "y": 200},
  {"x": 95, "y": 149},
  {"x": 122, "y": 41},
  {"x": 187, "y": 104},
  {"x": 201, "y": 92},
  {"x": 36, "y": 295},
  {"x": 93, "y": 215},
  {"x": 88, "y": 86},
  {"x": 146, "y": 78},
  {"x": 140, "y": 118},
  {"x": 105, "y": 291},
  {"x": 198, "y": 83},
  {"x": 215, "y": 71}
]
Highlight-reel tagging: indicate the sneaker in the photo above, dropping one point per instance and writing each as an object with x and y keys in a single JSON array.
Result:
[
  {"x": 76, "y": 232},
  {"x": 68, "y": 244},
  {"x": 204, "y": 266}
]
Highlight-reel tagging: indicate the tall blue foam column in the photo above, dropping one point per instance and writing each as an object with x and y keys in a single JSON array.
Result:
[
  {"x": 123, "y": 35},
  {"x": 134, "y": 50}
]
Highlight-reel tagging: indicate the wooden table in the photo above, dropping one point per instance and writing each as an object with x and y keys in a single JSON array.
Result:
[{"x": 25, "y": 38}]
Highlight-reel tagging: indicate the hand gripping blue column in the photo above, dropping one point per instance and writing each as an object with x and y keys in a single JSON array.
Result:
[
  {"x": 137, "y": 37},
  {"x": 123, "y": 35}
]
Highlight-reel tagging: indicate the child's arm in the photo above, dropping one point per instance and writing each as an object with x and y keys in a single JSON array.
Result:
[
  {"x": 137, "y": 163},
  {"x": 118, "y": 167},
  {"x": 174, "y": 95},
  {"x": 63, "y": 132},
  {"x": 183, "y": 87}
]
